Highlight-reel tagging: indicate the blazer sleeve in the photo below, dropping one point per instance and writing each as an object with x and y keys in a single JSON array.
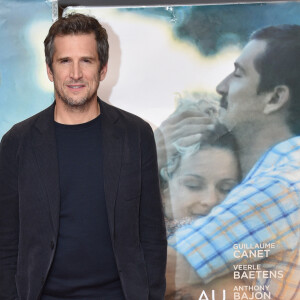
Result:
[
  {"x": 9, "y": 218},
  {"x": 152, "y": 226}
]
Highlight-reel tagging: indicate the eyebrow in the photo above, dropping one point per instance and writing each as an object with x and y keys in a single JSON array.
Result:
[
  {"x": 62, "y": 58},
  {"x": 83, "y": 57},
  {"x": 238, "y": 66},
  {"x": 88, "y": 57}
]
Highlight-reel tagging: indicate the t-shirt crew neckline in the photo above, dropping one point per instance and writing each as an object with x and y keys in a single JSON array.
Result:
[{"x": 88, "y": 124}]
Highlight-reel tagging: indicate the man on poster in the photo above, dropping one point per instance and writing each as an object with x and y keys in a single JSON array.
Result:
[
  {"x": 261, "y": 106},
  {"x": 81, "y": 214}
]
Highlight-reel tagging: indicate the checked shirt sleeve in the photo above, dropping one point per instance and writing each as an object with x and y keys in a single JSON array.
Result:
[{"x": 264, "y": 209}]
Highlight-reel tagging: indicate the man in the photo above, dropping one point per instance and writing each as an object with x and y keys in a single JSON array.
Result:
[
  {"x": 261, "y": 106},
  {"x": 81, "y": 214}
]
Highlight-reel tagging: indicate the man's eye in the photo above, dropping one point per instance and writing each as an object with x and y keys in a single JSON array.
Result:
[
  {"x": 237, "y": 73},
  {"x": 64, "y": 60},
  {"x": 87, "y": 60}
]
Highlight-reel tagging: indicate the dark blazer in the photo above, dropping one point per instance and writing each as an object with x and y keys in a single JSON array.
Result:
[{"x": 30, "y": 201}]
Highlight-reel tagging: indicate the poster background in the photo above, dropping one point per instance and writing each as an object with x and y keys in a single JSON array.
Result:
[
  {"x": 23, "y": 26},
  {"x": 161, "y": 52},
  {"x": 156, "y": 53}
]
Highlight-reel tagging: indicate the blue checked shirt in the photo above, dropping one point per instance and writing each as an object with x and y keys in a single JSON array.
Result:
[{"x": 263, "y": 209}]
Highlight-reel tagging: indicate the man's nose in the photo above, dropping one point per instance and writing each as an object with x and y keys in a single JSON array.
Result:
[
  {"x": 76, "y": 72},
  {"x": 222, "y": 87}
]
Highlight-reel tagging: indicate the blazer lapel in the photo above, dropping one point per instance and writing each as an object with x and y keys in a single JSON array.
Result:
[
  {"x": 44, "y": 147},
  {"x": 112, "y": 143}
]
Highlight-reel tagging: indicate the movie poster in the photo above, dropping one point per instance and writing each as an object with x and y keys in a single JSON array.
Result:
[
  {"x": 24, "y": 86},
  {"x": 169, "y": 65}
]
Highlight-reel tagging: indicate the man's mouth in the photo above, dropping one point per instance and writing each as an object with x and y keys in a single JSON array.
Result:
[
  {"x": 224, "y": 102},
  {"x": 75, "y": 86}
]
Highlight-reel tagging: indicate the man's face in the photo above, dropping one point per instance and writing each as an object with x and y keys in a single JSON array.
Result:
[
  {"x": 240, "y": 103},
  {"x": 76, "y": 69}
]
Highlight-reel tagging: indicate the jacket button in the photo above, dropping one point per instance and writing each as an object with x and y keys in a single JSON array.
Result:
[{"x": 52, "y": 245}]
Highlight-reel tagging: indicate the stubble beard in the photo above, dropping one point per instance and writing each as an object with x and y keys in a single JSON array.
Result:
[{"x": 72, "y": 104}]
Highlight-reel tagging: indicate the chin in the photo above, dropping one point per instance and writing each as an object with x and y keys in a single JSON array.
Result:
[{"x": 76, "y": 103}]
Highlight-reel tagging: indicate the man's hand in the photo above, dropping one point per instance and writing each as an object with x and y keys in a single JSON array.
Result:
[{"x": 184, "y": 129}]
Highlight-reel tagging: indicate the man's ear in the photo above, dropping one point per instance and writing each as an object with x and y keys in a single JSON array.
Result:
[
  {"x": 49, "y": 73},
  {"x": 277, "y": 99},
  {"x": 103, "y": 72}
]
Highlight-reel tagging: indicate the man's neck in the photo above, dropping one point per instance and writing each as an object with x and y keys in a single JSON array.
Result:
[
  {"x": 65, "y": 114},
  {"x": 254, "y": 144}
]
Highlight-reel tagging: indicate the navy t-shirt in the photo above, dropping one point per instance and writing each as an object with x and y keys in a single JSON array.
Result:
[{"x": 84, "y": 266}]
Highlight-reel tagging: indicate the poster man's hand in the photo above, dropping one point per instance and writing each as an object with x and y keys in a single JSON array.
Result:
[{"x": 182, "y": 129}]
